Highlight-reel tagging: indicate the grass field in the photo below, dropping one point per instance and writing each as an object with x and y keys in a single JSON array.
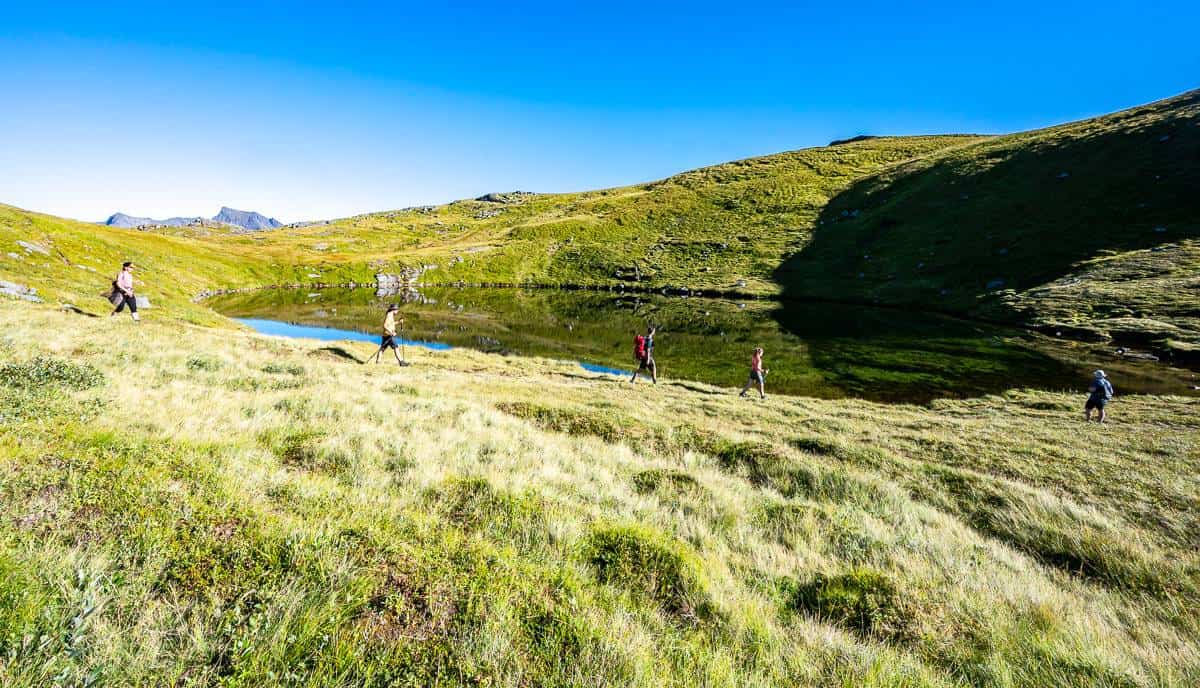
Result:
[{"x": 207, "y": 507}]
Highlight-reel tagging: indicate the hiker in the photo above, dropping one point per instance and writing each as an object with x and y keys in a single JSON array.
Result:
[
  {"x": 1099, "y": 394},
  {"x": 389, "y": 335},
  {"x": 757, "y": 374},
  {"x": 643, "y": 353},
  {"x": 122, "y": 292}
]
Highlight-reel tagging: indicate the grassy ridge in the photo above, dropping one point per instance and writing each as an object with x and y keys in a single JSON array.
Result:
[
  {"x": 1094, "y": 224},
  {"x": 708, "y": 228},
  {"x": 215, "y": 508}
]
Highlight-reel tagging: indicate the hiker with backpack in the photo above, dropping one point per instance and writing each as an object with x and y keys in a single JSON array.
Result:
[
  {"x": 388, "y": 340},
  {"x": 643, "y": 353},
  {"x": 122, "y": 292},
  {"x": 758, "y": 374},
  {"x": 1100, "y": 392}
]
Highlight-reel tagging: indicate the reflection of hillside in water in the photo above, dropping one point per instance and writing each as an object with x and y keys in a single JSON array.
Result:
[{"x": 818, "y": 350}]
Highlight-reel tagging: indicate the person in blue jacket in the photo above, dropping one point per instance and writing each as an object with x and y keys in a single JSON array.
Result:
[{"x": 1099, "y": 394}]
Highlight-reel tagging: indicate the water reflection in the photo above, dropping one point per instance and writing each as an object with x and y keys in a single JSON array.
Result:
[{"x": 820, "y": 350}]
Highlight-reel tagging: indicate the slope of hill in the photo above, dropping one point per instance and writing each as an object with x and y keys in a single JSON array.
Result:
[
  {"x": 73, "y": 262},
  {"x": 1092, "y": 227},
  {"x": 724, "y": 227},
  {"x": 187, "y": 506}
]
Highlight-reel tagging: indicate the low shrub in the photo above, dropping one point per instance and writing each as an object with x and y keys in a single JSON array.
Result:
[
  {"x": 570, "y": 421},
  {"x": 816, "y": 445},
  {"x": 284, "y": 369},
  {"x": 303, "y": 450},
  {"x": 649, "y": 564},
  {"x": 864, "y": 601},
  {"x": 655, "y": 479},
  {"x": 473, "y": 504},
  {"x": 42, "y": 372},
  {"x": 204, "y": 363}
]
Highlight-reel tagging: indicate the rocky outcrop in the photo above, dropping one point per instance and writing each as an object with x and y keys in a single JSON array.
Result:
[
  {"x": 19, "y": 291},
  {"x": 31, "y": 248}
]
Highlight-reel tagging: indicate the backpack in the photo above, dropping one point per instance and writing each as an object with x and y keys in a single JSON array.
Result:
[{"x": 639, "y": 347}]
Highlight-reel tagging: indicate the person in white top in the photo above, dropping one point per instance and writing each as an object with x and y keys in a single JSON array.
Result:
[{"x": 122, "y": 293}]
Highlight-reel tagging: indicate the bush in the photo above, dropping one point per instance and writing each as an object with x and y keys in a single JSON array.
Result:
[
  {"x": 473, "y": 504},
  {"x": 862, "y": 600},
  {"x": 283, "y": 369},
  {"x": 651, "y": 565},
  {"x": 302, "y": 450},
  {"x": 204, "y": 363},
  {"x": 655, "y": 479},
  {"x": 816, "y": 445},
  {"x": 46, "y": 371},
  {"x": 762, "y": 462},
  {"x": 571, "y": 422}
]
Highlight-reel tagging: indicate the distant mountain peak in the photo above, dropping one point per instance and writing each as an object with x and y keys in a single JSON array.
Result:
[{"x": 244, "y": 219}]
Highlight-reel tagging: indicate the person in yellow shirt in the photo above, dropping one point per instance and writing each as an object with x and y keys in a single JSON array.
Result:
[{"x": 388, "y": 341}]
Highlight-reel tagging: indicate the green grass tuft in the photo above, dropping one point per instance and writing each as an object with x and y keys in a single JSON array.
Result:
[
  {"x": 645, "y": 562},
  {"x": 861, "y": 600}
]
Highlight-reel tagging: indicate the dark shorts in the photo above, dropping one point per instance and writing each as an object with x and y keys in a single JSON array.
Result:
[
  {"x": 388, "y": 342},
  {"x": 756, "y": 376},
  {"x": 645, "y": 362},
  {"x": 1095, "y": 403},
  {"x": 127, "y": 300}
]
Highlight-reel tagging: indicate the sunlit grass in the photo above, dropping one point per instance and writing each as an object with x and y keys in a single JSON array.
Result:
[{"x": 227, "y": 508}]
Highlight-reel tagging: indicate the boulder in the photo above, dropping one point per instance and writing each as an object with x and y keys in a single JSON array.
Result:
[
  {"x": 33, "y": 248},
  {"x": 19, "y": 291},
  {"x": 143, "y": 302}
]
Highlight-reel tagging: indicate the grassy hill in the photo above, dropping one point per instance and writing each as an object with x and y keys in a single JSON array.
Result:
[
  {"x": 1091, "y": 229},
  {"x": 203, "y": 507}
]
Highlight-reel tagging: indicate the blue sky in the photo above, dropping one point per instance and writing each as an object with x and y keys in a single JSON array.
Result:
[{"x": 305, "y": 111}]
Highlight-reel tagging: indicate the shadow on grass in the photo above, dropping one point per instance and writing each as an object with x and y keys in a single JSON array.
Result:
[{"x": 336, "y": 352}]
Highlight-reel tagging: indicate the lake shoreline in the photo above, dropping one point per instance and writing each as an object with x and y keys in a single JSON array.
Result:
[{"x": 1160, "y": 354}]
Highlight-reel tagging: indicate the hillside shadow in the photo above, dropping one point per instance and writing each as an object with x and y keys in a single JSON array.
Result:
[{"x": 952, "y": 234}]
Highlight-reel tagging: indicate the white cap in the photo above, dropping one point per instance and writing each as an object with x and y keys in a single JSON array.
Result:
[{"x": 1099, "y": 373}]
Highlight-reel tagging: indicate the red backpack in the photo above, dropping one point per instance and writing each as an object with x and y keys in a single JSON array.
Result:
[{"x": 639, "y": 347}]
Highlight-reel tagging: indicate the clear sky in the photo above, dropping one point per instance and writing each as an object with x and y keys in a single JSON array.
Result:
[{"x": 303, "y": 111}]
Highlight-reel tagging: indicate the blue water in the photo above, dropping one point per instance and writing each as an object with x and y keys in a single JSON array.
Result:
[{"x": 333, "y": 334}]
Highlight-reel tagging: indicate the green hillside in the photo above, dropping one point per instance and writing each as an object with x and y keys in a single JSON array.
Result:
[
  {"x": 1093, "y": 225},
  {"x": 712, "y": 228}
]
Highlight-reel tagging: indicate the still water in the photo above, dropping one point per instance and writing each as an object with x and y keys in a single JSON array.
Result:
[{"x": 820, "y": 350}]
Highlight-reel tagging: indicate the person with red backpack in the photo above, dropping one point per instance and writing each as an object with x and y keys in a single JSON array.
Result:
[{"x": 643, "y": 353}]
